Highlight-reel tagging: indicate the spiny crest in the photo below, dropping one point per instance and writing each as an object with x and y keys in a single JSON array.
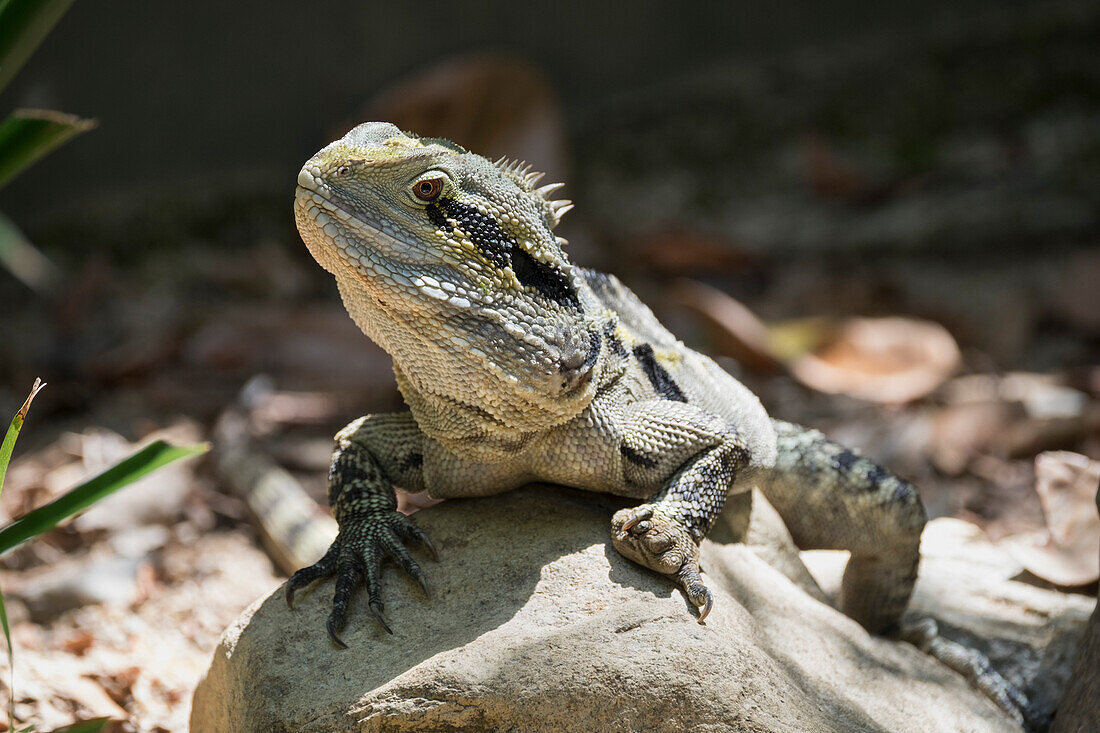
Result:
[{"x": 521, "y": 174}]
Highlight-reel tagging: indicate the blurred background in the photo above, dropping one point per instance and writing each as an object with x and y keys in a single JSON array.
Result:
[{"x": 884, "y": 218}]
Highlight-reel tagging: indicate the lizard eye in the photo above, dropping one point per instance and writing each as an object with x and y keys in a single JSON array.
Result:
[{"x": 428, "y": 189}]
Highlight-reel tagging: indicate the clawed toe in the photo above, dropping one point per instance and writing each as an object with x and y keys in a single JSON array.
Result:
[
  {"x": 697, "y": 593},
  {"x": 320, "y": 569},
  {"x": 333, "y": 625},
  {"x": 356, "y": 557},
  {"x": 664, "y": 545},
  {"x": 376, "y": 610}
]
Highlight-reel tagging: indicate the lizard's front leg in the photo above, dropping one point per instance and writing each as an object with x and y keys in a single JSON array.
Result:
[
  {"x": 694, "y": 457},
  {"x": 372, "y": 453}
]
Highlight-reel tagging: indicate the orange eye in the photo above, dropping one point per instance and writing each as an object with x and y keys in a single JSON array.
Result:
[{"x": 428, "y": 189}]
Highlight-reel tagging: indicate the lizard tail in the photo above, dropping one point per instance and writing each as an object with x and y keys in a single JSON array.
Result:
[{"x": 832, "y": 499}]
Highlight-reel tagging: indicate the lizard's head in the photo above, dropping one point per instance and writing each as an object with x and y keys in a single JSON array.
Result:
[{"x": 449, "y": 262}]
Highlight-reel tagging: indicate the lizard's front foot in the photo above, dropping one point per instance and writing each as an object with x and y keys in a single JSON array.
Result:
[
  {"x": 661, "y": 543},
  {"x": 364, "y": 541}
]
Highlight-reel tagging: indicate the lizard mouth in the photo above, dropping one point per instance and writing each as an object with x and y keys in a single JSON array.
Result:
[{"x": 342, "y": 237}]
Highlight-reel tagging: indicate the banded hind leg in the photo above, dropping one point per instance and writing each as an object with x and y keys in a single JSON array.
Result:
[
  {"x": 831, "y": 498},
  {"x": 371, "y": 455}
]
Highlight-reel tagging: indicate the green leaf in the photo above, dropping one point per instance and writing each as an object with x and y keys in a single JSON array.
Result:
[
  {"x": 28, "y": 134},
  {"x": 47, "y": 517},
  {"x": 5, "y": 457},
  {"x": 11, "y": 663},
  {"x": 23, "y": 260},
  {"x": 13, "y": 430},
  {"x": 23, "y": 25},
  {"x": 92, "y": 725}
]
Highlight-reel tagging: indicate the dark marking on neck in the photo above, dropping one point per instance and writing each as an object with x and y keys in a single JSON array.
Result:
[
  {"x": 662, "y": 382},
  {"x": 503, "y": 251},
  {"x": 638, "y": 459},
  {"x": 594, "y": 343},
  {"x": 903, "y": 493},
  {"x": 600, "y": 282},
  {"x": 613, "y": 341}
]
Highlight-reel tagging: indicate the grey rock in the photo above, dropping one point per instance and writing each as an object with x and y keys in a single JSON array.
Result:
[
  {"x": 1080, "y": 708},
  {"x": 1030, "y": 635},
  {"x": 536, "y": 623}
]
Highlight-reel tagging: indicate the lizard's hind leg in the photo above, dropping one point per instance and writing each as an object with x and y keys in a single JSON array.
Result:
[{"x": 832, "y": 499}]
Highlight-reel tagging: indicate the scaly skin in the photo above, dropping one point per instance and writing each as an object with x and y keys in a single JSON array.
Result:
[{"x": 518, "y": 366}]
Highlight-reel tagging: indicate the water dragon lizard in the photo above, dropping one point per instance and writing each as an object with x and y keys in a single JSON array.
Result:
[{"x": 519, "y": 366}]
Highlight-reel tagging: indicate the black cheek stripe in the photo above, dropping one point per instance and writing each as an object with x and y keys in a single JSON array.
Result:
[{"x": 503, "y": 251}]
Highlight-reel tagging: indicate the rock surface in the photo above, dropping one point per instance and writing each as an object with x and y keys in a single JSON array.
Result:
[
  {"x": 1029, "y": 634},
  {"x": 536, "y": 623}
]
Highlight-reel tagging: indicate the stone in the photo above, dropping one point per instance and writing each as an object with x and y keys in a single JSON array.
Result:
[
  {"x": 973, "y": 590},
  {"x": 1080, "y": 708},
  {"x": 537, "y": 623}
]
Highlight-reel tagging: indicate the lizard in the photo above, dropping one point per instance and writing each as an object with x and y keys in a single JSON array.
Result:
[{"x": 517, "y": 366}]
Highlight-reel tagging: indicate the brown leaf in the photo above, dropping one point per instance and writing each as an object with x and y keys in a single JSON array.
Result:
[
  {"x": 885, "y": 360},
  {"x": 1067, "y": 553},
  {"x": 736, "y": 330},
  {"x": 79, "y": 643}
]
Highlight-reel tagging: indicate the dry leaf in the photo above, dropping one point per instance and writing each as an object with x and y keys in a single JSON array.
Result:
[
  {"x": 885, "y": 360},
  {"x": 737, "y": 331},
  {"x": 1067, "y": 553},
  {"x": 79, "y": 643}
]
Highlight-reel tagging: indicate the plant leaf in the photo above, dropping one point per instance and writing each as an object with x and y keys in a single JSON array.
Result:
[
  {"x": 11, "y": 663},
  {"x": 23, "y": 259},
  {"x": 93, "y": 725},
  {"x": 13, "y": 429},
  {"x": 23, "y": 25},
  {"x": 28, "y": 134},
  {"x": 5, "y": 457},
  {"x": 46, "y": 517}
]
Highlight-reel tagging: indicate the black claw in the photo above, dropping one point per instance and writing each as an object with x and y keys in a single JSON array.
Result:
[
  {"x": 424, "y": 584},
  {"x": 423, "y": 538},
  {"x": 307, "y": 575},
  {"x": 704, "y": 610},
  {"x": 411, "y": 531},
  {"x": 376, "y": 609},
  {"x": 333, "y": 624}
]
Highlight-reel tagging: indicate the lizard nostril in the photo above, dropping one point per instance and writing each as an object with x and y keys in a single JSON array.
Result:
[{"x": 341, "y": 170}]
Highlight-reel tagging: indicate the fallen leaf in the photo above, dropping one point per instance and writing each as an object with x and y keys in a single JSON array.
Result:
[
  {"x": 79, "y": 643},
  {"x": 962, "y": 431},
  {"x": 736, "y": 329},
  {"x": 885, "y": 360},
  {"x": 1067, "y": 553}
]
